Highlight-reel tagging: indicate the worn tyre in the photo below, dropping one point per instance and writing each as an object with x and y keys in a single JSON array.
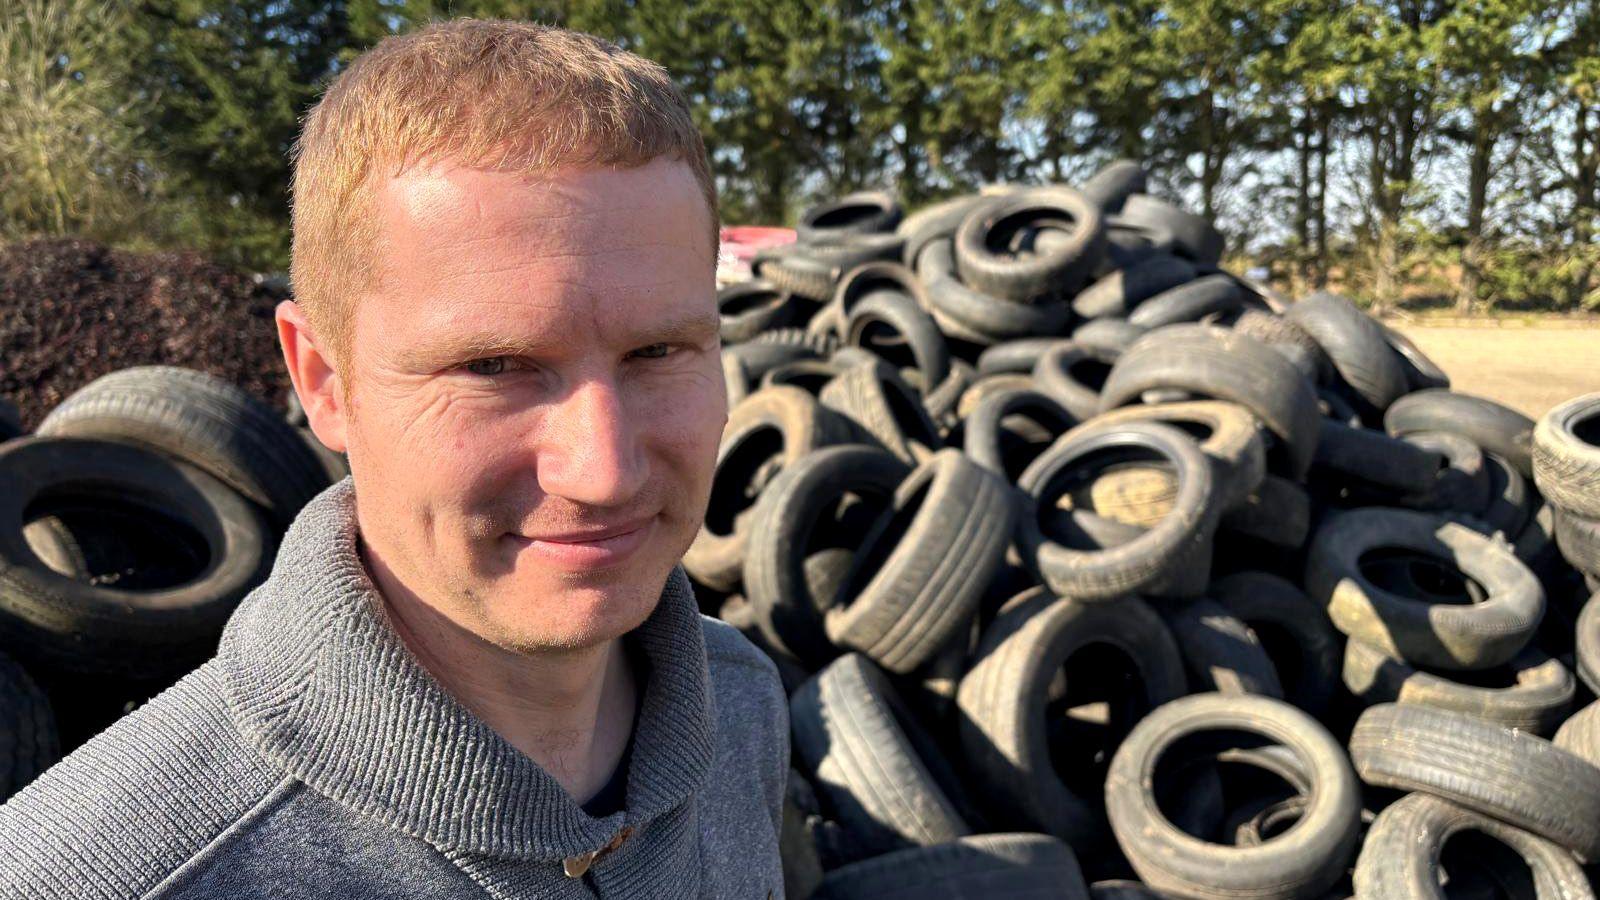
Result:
[
  {"x": 1227, "y": 434},
  {"x": 1425, "y": 630},
  {"x": 1220, "y": 651},
  {"x": 785, "y": 532},
  {"x": 1511, "y": 775},
  {"x": 878, "y": 400},
  {"x": 863, "y": 212},
  {"x": 1205, "y": 296},
  {"x": 1566, "y": 456},
  {"x": 1355, "y": 343},
  {"x": 201, "y": 420},
  {"x": 766, "y": 431},
  {"x": 1060, "y": 272},
  {"x": 1303, "y": 862},
  {"x": 1495, "y": 428},
  {"x": 1294, "y": 631},
  {"x": 1073, "y": 375},
  {"x": 889, "y": 323},
  {"x": 1222, "y": 365},
  {"x": 1376, "y": 458},
  {"x": 923, "y": 568},
  {"x": 1118, "y": 294},
  {"x": 883, "y": 778},
  {"x": 1536, "y": 701},
  {"x": 996, "y": 441},
  {"x": 130, "y": 626},
  {"x": 1401, "y": 857},
  {"x": 1006, "y": 700},
  {"x": 1143, "y": 561}
]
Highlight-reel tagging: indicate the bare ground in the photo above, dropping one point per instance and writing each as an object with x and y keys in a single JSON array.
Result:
[{"x": 1528, "y": 367}]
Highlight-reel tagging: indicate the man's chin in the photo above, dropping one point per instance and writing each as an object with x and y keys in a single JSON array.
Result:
[{"x": 570, "y": 612}]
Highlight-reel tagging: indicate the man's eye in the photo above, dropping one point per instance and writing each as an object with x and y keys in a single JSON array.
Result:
[
  {"x": 492, "y": 365},
  {"x": 654, "y": 351}
]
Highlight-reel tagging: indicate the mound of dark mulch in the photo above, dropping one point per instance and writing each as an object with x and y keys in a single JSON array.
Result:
[{"x": 72, "y": 310}]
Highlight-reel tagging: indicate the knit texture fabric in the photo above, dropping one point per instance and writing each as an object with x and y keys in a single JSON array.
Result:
[{"x": 314, "y": 756}]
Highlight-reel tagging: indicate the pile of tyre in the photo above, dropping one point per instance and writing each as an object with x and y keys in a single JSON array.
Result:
[
  {"x": 141, "y": 511},
  {"x": 1092, "y": 568}
]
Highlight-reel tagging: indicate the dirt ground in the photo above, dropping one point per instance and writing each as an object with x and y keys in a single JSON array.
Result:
[{"x": 1527, "y": 367}]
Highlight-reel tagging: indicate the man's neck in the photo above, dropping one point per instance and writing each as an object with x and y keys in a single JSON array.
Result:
[{"x": 570, "y": 711}]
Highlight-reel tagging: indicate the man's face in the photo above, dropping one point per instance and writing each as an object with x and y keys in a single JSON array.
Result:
[{"x": 536, "y": 398}]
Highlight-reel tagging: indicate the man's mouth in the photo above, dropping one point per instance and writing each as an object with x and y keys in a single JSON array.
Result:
[{"x": 591, "y": 548}]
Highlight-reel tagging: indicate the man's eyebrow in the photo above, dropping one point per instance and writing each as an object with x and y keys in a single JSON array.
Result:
[
  {"x": 694, "y": 328},
  {"x": 462, "y": 348}
]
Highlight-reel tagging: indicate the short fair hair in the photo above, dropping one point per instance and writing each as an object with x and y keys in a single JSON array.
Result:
[{"x": 498, "y": 95}]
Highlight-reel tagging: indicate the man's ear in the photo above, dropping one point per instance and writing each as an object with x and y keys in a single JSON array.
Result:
[{"x": 315, "y": 380}]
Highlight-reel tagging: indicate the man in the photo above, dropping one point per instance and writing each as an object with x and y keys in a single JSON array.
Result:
[{"x": 476, "y": 669}]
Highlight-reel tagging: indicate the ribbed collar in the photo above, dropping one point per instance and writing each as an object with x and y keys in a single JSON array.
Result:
[{"x": 320, "y": 682}]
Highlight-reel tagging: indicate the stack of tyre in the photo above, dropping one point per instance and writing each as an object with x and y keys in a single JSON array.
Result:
[
  {"x": 1091, "y": 567},
  {"x": 141, "y": 511}
]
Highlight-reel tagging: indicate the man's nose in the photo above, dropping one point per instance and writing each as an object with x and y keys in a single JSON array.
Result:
[{"x": 590, "y": 452}]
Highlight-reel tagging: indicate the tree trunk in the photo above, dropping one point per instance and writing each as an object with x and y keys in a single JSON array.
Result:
[
  {"x": 1320, "y": 213},
  {"x": 1302, "y": 203},
  {"x": 1586, "y": 193},
  {"x": 1483, "y": 141}
]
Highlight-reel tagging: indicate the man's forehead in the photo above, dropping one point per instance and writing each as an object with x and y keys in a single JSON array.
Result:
[{"x": 552, "y": 205}]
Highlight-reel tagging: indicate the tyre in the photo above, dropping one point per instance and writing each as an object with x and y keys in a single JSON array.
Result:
[
  {"x": 1219, "y": 650},
  {"x": 799, "y": 517},
  {"x": 1510, "y": 503},
  {"x": 1192, "y": 236},
  {"x": 1355, "y": 343},
  {"x": 11, "y": 420},
  {"x": 809, "y": 375},
  {"x": 923, "y": 568},
  {"x": 1278, "y": 512},
  {"x": 1227, "y": 434},
  {"x": 984, "y": 264},
  {"x": 1587, "y": 644},
  {"x": 31, "y": 744},
  {"x": 1116, "y": 295},
  {"x": 966, "y": 313},
  {"x": 1148, "y": 559},
  {"x": 138, "y": 624},
  {"x": 1304, "y": 861},
  {"x": 1404, "y": 846},
  {"x": 201, "y": 420},
  {"x": 997, "y": 441},
  {"x": 1019, "y": 356},
  {"x": 1287, "y": 338},
  {"x": 1510, "y": 775},
  {"x": 878, "y": 400},
  {"x": 1462, "y": 485},
  {"x": 1580, "y": 734},
  {"x": 1293, "y": 630},
  {"x": 1579, "y": 540},
  {"x": 1534, "y": 695},
  {"x": 1222, "y": 365},
  {"x": 1376, "y": 459},
  {"x": 893, "y": 327},
  {"x": 766, "y": 431},
  {"x": 751, "y": 307},
  {"x": 1114, "y": 184},
  {"x": 1020, "y": 866},
  {"x": 1073, "y": 375},
  {"x": 1190, "y": 302},
  {"x": 1435, "y": 625},
  {"x": 863, "y": 212},
  {"x": 1566, "y": 456},
  {"x": 1422, "y": 373},
  {"x": 1495, "y": 428},
  {"x": 934, "y": 222},
  {"x": 879, "y": 774},
  {"x": 1041, "y": 657},
  {"x": 1107, "y": 335}
]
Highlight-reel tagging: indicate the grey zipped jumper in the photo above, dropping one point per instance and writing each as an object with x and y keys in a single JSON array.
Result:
[{"x": 315, "y": 757}]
